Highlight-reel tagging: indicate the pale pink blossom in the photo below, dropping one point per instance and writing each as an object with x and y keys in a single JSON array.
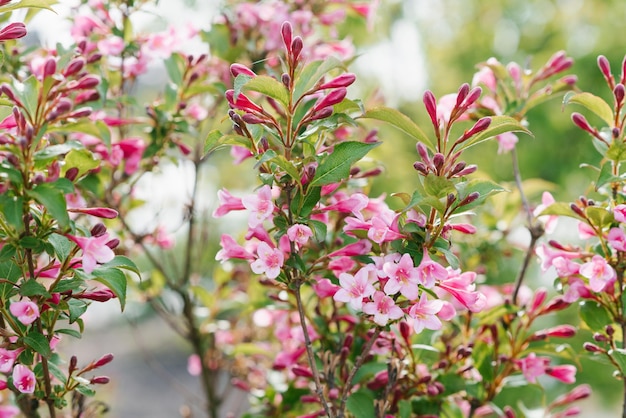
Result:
[
  {"x": 549, "y": 221},
  {"x": 132, "y": 151},
  {"x": 382, "y": 230},
  {"x": 25, "y": 311},
  {"x": 194, "y": 365},
  {"x": 360, "y": 247},
  {"x": 617, "y": 239},
  {"x": 95, "y": 250},
  {"x": 355, "y": 288},
  {"x": 486, "y": 77},
  {"x": 324, "y": 288},
  {"x": 341, "y": 265},
  {"x": 24, "y": 379},
  {"x": 585, "y": 231},
  {"x": 260, "y": 206},
  {"x": 424, "y": 313},
  {"x": 619, "y": 212},
  {"x": 9, "y": 411},
  {"x": 346, "y": 204},
  {"x": 7, "y": 358},
  {"x": 547, "y": 255},
  {"x": 240, "y": 154},
  {"x": 197, "y": 111},
  {"x": 111, "y": 46},
  {"x": 231, "y": 249},
  {"x": 403, "y": 276},
  {"x": 506, "y": 142},
  {"x": 565, "y": 267},
  {"x": 383, "y": 308},
  {"x": 599, "y": 273},
  {"x": 566, "y": 373},
  {"x": 299, "y": 234},
  {"x": 430, "y": 271},
  {"x": 269, "y": 261},
  {"x": 461, "y": 286},
  {"x": 532, "y": 366},
  {"x": 228, "y": 203}
]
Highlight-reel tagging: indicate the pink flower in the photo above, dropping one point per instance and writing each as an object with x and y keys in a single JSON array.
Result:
[
  {"x": 424, "y": 313},
  {"x": 506, "y": 142},
  {"x": 324, "y": 288},
  {"x": 25, "y": 311},
  {"x": 269, "y": 261},
  {"x": 7, "y": 358},
  {"x": 462, "y": 287},
  {"x": 355, "y": 288},
  {"x": 197, "y": 111},
  {"x": 94, "y": 250},
  {"x": 261, "y": 206},
  {"x": 356, "y": 248},
  {"x": 619, "y": 212},
  {"x": 132, "y": 149},
  {"x": 486, "y": 77},
  {"x": 299, "y": 234},
  {"x": 403, "y": 277},
  {"x": 346, "y": 204},
  {"x": 240, "y": 154},
  {"x": 430, "y": 271},
  {"x": 228, "y": 202},
  {"x": 24, "y": 379},
  {"x": 382, "y": 231},
  {"x": 383, "y": 308},
  {"x": 547, "y": 255},
  {"x": 230, "y": 249},
  {"x": 12, "y": 31},
  {"x": 194, "y": 365},
  {"x": 9, "y": 411},
  {"x": 617, "y": 239},
  {"x": 599, "y": 273},
  {"x": 111, "y": 46},
  {"x": 549, "y": 221},
  {"x": 532, "y": 366}
]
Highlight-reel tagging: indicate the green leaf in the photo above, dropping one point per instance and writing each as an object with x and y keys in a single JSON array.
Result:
[
  {"x": 606, "y": 175},
  {"x": 288, "y": 166},
  {"x": 38, "y": 342},
  {"x": 11, "y": 207},
  {"x": 302, "y": 207},
  {"x": 115, "y": 280},
  {"x": 361, "y": 404},
  {"x": 499, "y": 125},
  {"x": 593, "y": 103},
  {"x": 53, "y": 200},
  {"x": 52, "y": 151},
  {"x": 175, "y": 66},
  {"x": 68, "y": 284},
  {"x": 76, "y": 309},
  {"x": 122, "y": 262},
  {"x": 268, "y": 86},
  {"x": 560, "y": 209},
  {"x": 619, "y": 355},
  {"x": 56, "y": 371},
  {"x": 62, "y": 246},
  {"x": 69, "y": 331},
  {"x": 404, "y": 408},
  {"x": 312, "y": 73},
  {"x": 599, "y": 216},
  {"x": 319, "y": 229},
  {"x": 32, "y": 287},
  {"x": 594, "y": 315},
  {"x": 400, "y": 121},
  {"x": 37, "y": 4},
  {"x": 7, "y": 252},
  {"x": 616, "y": 151},
  {"x": 97, "y": 129},
  {"x": 485, "y": 188},
  {"x": 336, "y": 166},
  {"x": 438, "y": 186},
  {"x": 483, "y": 356},
  {"x": 27, "y": 92},
  {"x": 212, "y": 141},
  {"x": 81, "y": 159}
]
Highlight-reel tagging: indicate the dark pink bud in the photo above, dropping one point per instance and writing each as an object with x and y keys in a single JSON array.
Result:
[
  {"x": 580, "y": 121},
  {"x": 618, "y": 92},
  {"x": 88, "y": 82},
  {"x": 94, "y": 58},
  {"x": 609, "y": 330},
  {"x": 509, "y": 412},
  {"x": 252, "y": 119},
  {"x": 74, "y": 66},
  {"x": 50, "y": 67},
  {"x": 112, "y": 244},
  {"x": 102, "y": 295},
  {"x": 64, "y": 106},
  {"x": 560, "y": 331},
  {"x": 332, "y": 98},
  {"x": 73, "y": 363},
  {"x": 287, "y": 33},
  {"x": 87, "y": 96},
  {"x": 238, "y": 383},
  {"x": 472, "y": 96},
  {"x": 462, "y": 94},
  {"x": 421, "y": 167},
  {"x": 54, "y": 170},
  {"x": 12, "y": 31},
  {"x": 80, "y": 113},
  {"x": 236, "y": 69},
  {"x": 438, "y": 160},
  {"x": 98, "y": 230},
  {"x": 592, "y": 348},
  {"x": 470, "y": 198},
  {"x": 106, "y": 359},
  {"x": 344, "y": 80},
  {"x": 71, "y": 173},
  {"x": 577, "y": 210},
  {"x": 605, "y": 66},
  {"x": 322, "y": 114},
  {"x": 467, "y": 170},
  {"x": 478, "y": 127},
  {"x": 302, "y": 371},
  {"x": 106, "y": 213},
  {"x": 296, "y": 47},
  {"x": 622, "y": 78},
  {"x": 8, "y": 91},
  {"x": 570, "y": 80},
  {"x": 100, "y": 380},
  {"x": 423, "y": 152},
  {"x": 431, "y": 107},
  {"x": 405, "y": 331},
  {"x": 556, "y": 304}
]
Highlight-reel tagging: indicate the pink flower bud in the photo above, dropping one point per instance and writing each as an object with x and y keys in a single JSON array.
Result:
[
  {"x": 12, "y": 31},
  {"x": 251, "y": 119},
  {"x": 102, "y": 295},
  {"x": 332, "y": 98},
  {"x": 296, "y": 47},
  {"x": 322, "y": 114},
  {"x": 100, "y": 380},
  {"x": 344, "y": 80},
  {"x": 106, "y": 213},
  {"x": 74, "y": 67},
  {"x": 580, "y": 121},
  {"x": 462, "y": 94},
  {"x": 50, "y": 67},
  {"x": 605, "y": 67},
  {"x": 236, "y": 69},
  {"x": 430, "y": 102},
  {"x": 287, "y": 33},
  {"x": 478, "y": 127},
  {"x": 242, "y": 102},
  {"x": 618, "y": 92},
  {"x": 87, "y": 82},
  {"x": 302, "y": 371},
  {"x": 80, "y": 113},
  {"x": 560, "y": 331},
  {"x": 106, "y": 359},
  {"x": 622, "y": 78},
  {"x": 472, "y": 96}
]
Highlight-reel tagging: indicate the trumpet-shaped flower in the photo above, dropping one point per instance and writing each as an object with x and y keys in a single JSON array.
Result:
[
  {"x": 383, "y": 308},
  {"x": 24, "y": 379},
  {"x": 430, "y": 271},
  {"x": 7, "y": 358},
  {"x": 25, "y": 311},
  {"x": 354, "y": 288},
  {"x": 424, "y": 313},
  {"x": 299, "y": 234},
  {"x": 403, "y": 277},
  {"x": 599, "y": 273},
  {"x": 269, "y": 261},
  {"x": 228, "y": 202},
  {"x": 94, "y": 250},
  {"x": 260, "y": 206}
]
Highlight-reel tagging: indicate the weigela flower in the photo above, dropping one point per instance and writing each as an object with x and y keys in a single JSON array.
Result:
[
  {"x": 383, "y": 308},
  {"x": 619, "y": 212},
  {"x": 549, "y": 221},
  {"x": 424, "y": 313},
  {"x": 532, "y": 366},
  {"x": 25, "y": 311},
  {"x": 231, "y": 249},
  {"x": 299, "y": 234},
  {"x": 94, "y": 249},
  {"x": 9, "y": 411},
  {"x": 403, "y": 277},
  {"x": 617, "y": 239},
  {"x": 24, "y": 379},
  {"x": 228, "y": 202},
  {"x": 269, "y": 261},
  {"x": 599, "y": 273},
  {"x": 261, "y": 206},
  {"x": 355, "y": 288},
  {"x": 7, "y": 358},
  {"x": 430, "y": 271}
]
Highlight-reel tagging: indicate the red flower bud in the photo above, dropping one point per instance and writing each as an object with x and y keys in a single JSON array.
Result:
[
  {"x": 302, "y": 371},
  {"x": 580, "y": 121},
  {"x": 332, "y": 98},
  {"x": 50, "y": 67},
  {"x": 344, "y": 80},
  {"x": 12, "y": 31},
  {"x": 106, "y": 213},
  {"x": 322, "y": 114},
  {"x": 106, "y": 359},
  {"x": 242, "y": 102},
  {"x": 236, "y": 69},
  {"x": 478, "y": 127},
  {"x": 296, "y": 47},
  {"x": 102, "y": 295},
  {"x": 287, "y": 33},
  {"x": 462, "y": 94},
  {"x": 100, "y": 380},
  {"x": 88, "y": 82},
  {"x": 592, "y": 348},
  {"x": 431, "y": 107},
  {"x": 605, "y": 67},
  {"x": 74, "y": 66},
  {"x": 618, "y": 92}
]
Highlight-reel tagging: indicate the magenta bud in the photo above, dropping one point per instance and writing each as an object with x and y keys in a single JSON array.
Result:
[
  {"x": 472, "y": 96},
  {"x": 242, "y": 102},
  {"x": 8, "y": 91},
  {"x": 438, "y": 160},
  {"x": 112, "y": 244},
  {"x": 87, "y": 82},
  {"x": 577, "y": 210},
  {"x": 622, "y": 78},
  {"x": 74, "y": 66},
  {"x": 296, "y": 47},
  {"x": 302, "y": 371},
  {"x": 344, "y": 80},
  {"x": 470, "y": 198},
  {"x": 423, "y": 152},
  {"x": 592, "y": 348},
  {"x": 431, "y": 107},
  {"x": 13, "y": 31},
  {"x": 467, "y": 170},
  {"x": 462, "y": 94},
  {"x": 73, "y": 363},
  {"x": 236, "y": 69},
  {"x": 287, "y": 33},
  {"x": 94, "y": 58},
  {"x": 478, "y": 127},
  {"x": 252, "y": 119},
  {"x": 332, "y": 98},
  {"x": 50, "y": 67},
  {"x": 580, "y": 121},
  {"x": 322, "y": 114},
  {"x": 106, "y": 359},
  {"x": 71, "y": 173},
  {"x": 98, "y": 230},
  {"x": 421, "y": 167},
  {"x": 508, "y": 412},
  {"x": 605, "y": 66},
  {"x": 80, "y": 113},
  {"x": 286, "y": 80},
  {"x": 87, "y": 96},
  {"x": 618, "y": 92},
  {"x": 100, "y": 380},
  {"x": 102, "y": 295}
]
